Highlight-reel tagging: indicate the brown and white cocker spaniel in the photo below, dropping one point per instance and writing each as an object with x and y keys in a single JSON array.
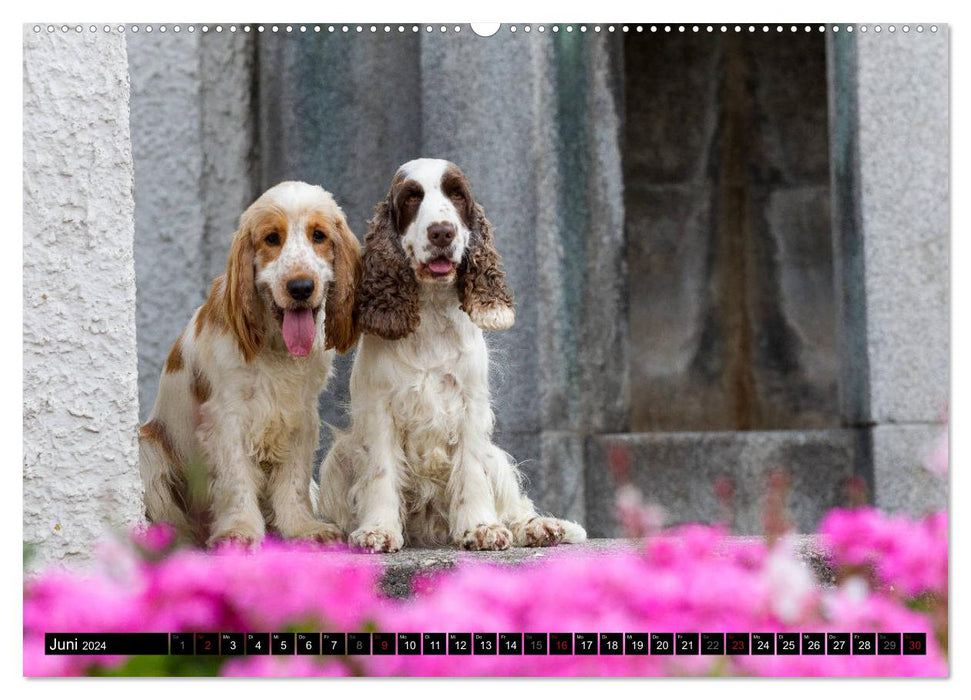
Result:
[
  {"x": 418, "y": 464},
  {"x": 229, "y": 445}
]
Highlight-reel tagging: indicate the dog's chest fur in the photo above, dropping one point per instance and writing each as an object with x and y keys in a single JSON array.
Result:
[
  {"x": 438, "y": 363},
  {"x": 279, "y": 396}
]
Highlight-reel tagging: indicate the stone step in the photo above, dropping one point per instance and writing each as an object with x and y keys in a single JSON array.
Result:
[
  {"x": 401, "y": 568},
  {"x": 721, "y": 476}
]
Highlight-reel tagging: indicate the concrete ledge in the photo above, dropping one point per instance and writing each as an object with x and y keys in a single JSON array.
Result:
[
  {"x": 402, "y": 567},
  {"x": 680, "y": 471}
]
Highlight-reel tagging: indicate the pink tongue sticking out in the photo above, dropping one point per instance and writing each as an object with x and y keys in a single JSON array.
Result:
[
  {"x": 441, "y": 266},
  {"x": 298, "y": 331}
]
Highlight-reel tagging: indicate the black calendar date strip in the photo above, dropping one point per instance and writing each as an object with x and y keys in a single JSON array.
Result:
[{"x": 479, "y": 643}]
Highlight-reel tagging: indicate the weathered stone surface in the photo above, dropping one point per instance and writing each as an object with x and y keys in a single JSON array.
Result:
[
  {"x": 890, "y": 152},
  {"x": 671, "y": 95},
  {"x": 592, "y": 316},
  {"x": 401, "y": 568},
  {"x": 229, "y": 146},
  {"x": 170, "y": 213},
  {"x": 901, "y": 480},
  {"x": 339, "y": 110},
  {"x": 792, "y": 309},
  {"x": 560, "y": 486},
  {"x": 668, "y": 233},
  {"x": 891, "y": 218},
  {"x": 80, "y": 366},
  {"x": 789, "y": 92},
  {"x": 904, "y": 148},
  {"x": 720, "y": 476},
  {"x": 729, "y": 249}
]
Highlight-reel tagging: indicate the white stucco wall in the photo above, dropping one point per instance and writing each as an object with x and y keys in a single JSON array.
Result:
[{"x": 80, "y": 365}]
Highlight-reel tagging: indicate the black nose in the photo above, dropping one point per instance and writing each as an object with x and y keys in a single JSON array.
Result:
[
  {"x": 300, "y": 288},
  {"x": 441, "y": 235}
]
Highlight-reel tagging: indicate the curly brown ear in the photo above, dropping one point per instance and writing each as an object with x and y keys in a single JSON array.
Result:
[
  {"x": 481, "y": 283},
  {"x": 387, "y": 299},
  {"x": 340, "y": 328},
  {"x": 243, "y": 309}
]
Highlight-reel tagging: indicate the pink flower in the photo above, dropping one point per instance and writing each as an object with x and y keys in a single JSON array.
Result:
[
  {"x": 637, "y": 518},
  {"x": 907, "y": 555},
  {"x": 154, "y": 539}
]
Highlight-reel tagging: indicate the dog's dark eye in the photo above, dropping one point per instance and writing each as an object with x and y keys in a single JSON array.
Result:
[
  {"x": 457, "y": 195},
  {"x": 413, "y": 200},
  {"x": 319, "y": 236},
  {"x": 272, "y": 239}
]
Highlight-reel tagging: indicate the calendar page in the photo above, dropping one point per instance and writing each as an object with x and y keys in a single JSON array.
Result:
[{"x": 516, "y": 349}]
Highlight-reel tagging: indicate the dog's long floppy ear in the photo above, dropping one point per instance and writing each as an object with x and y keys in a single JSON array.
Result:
[
  {"x": 387, "y": 300},
  {"x": 340, "y": 326},
  {"x": 242, "y": 305},
  {"x": 481, "y": 283}
]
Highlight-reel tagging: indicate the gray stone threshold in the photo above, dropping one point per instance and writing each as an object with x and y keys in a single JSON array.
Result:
[{"x": 402, "y": 567}]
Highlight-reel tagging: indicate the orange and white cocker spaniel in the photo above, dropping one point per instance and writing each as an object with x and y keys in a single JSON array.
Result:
[{"x": 229, "y": 445}]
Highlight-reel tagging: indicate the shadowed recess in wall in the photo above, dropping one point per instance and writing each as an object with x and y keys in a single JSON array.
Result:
[{"x": 732, "y": 304}]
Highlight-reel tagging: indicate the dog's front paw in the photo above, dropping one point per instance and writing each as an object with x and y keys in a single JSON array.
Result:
[
  {"x": 376, "y": 540},
  {"x": 325, "y": 533},
  {"x": 239, "y": 536},
  {"x": 486, "y": 537},
  {"x": 540, "y": 532}
]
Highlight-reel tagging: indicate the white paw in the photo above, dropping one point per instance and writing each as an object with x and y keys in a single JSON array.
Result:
[
  {"x": 376, "y": 540},
  {"x": 574, "y": 533},
  {"x": 238, "y": 536},
  {"x": 486, "y": 537},
  {"x": 494, "y": 318},
  {"x": 540, "y": 532}
]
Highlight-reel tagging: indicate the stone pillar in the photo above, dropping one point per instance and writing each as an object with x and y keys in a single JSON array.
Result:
[
  {"x": 80, "y": 362},
  {"x": 535, "y": 123},
  {"x": 890, "y": 153},
  {"x": 193, "y": 140},
  {"x": 581, "y": 253}
]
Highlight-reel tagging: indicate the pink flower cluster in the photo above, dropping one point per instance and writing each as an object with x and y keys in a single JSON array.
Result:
[
  {"x": 692, "y": 578},
  {"x": 907, "y": 555},
  {"x": 189, "y": 590}
]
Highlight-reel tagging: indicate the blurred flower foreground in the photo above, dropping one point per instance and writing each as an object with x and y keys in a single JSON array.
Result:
[{"x": 891, "y": 576}]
